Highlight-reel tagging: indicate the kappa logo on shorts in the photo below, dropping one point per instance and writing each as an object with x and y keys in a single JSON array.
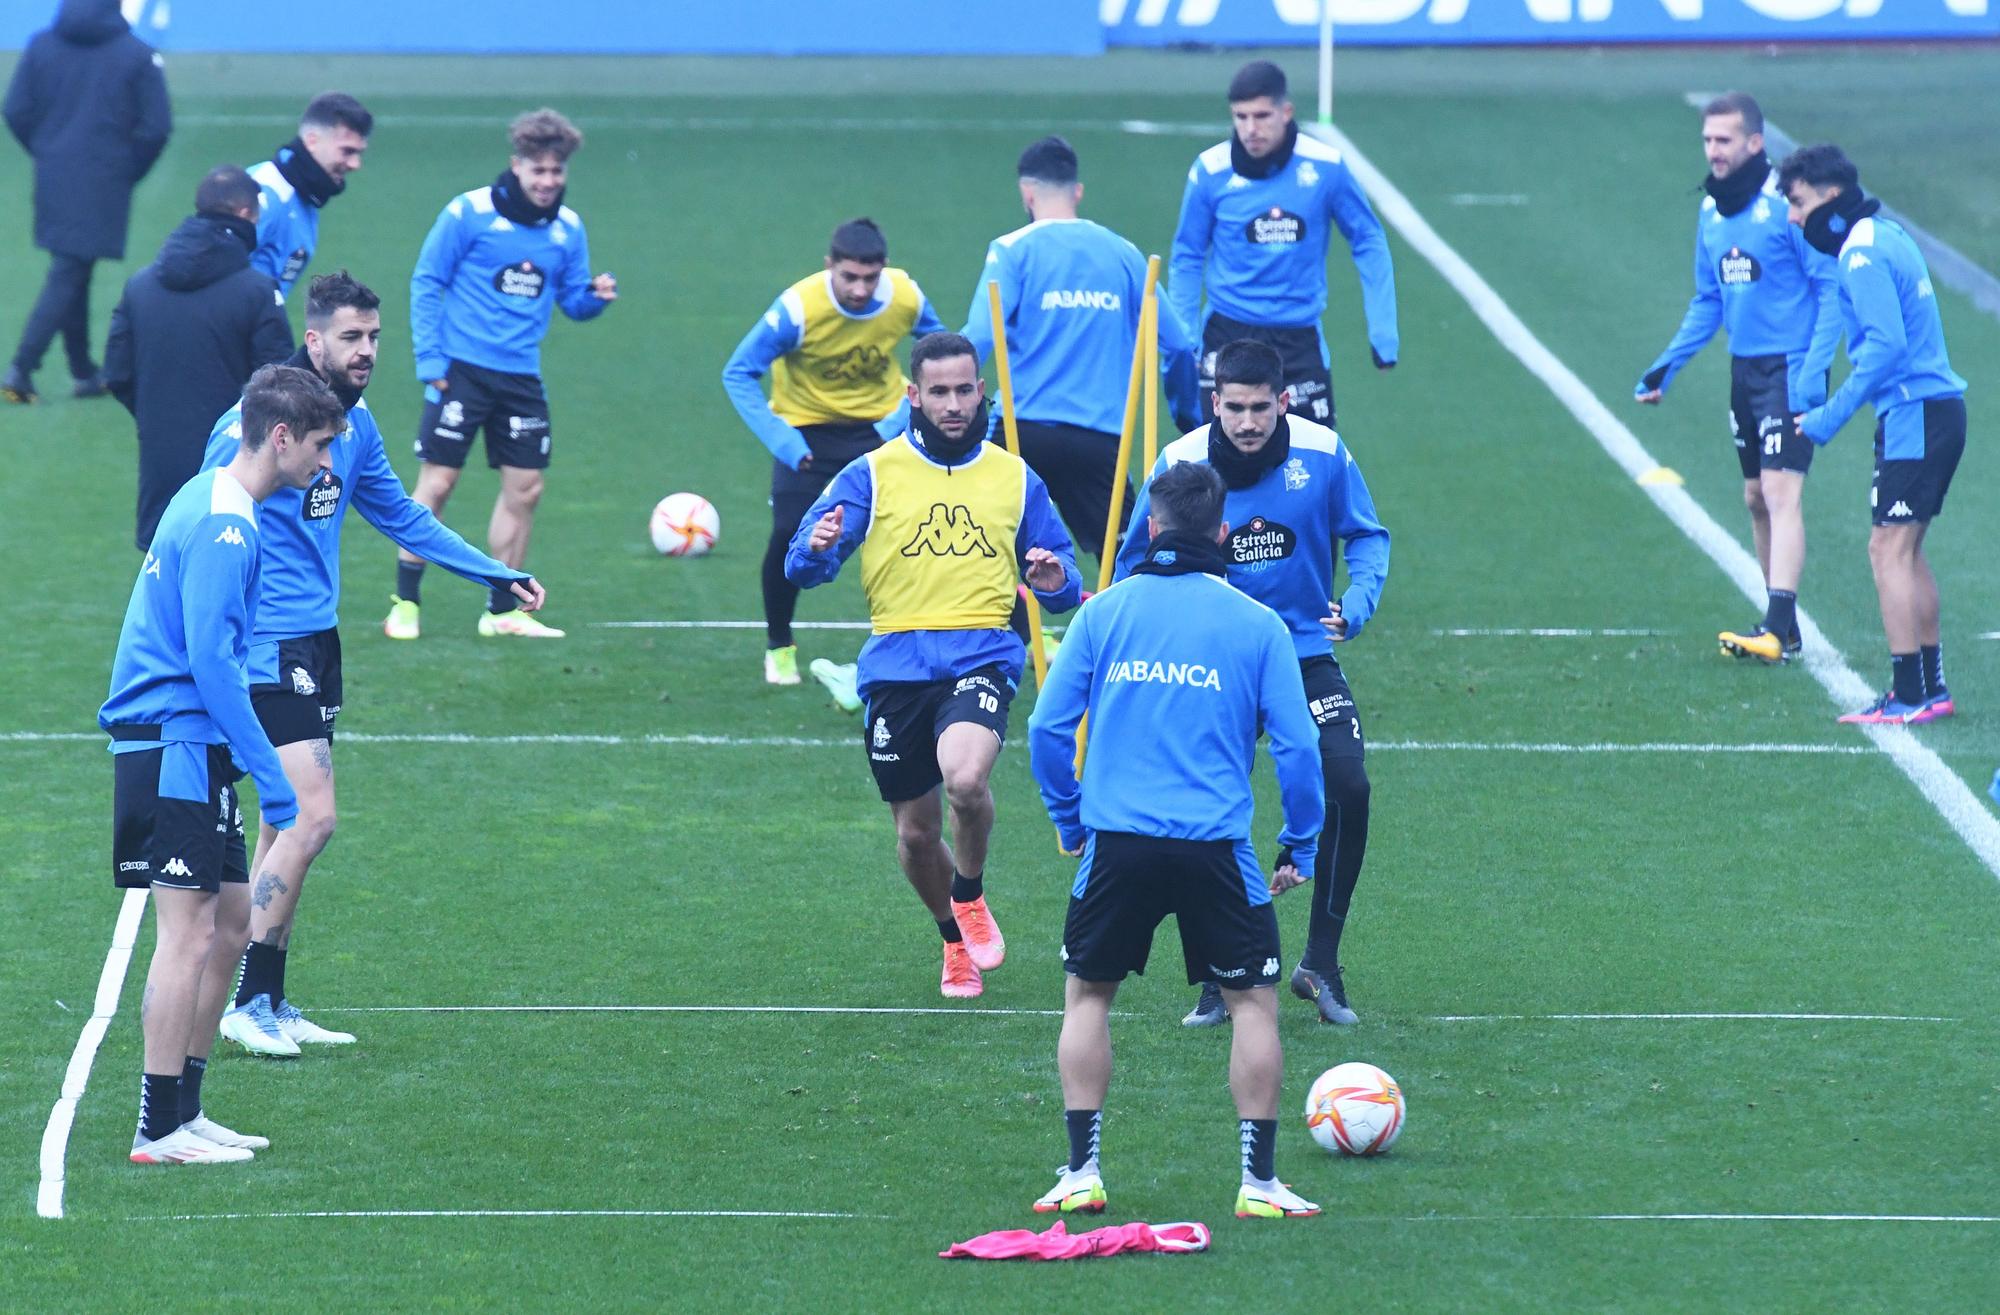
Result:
[
  {"x": 1270, "y": 968},
  {"x": 303, "y": 683},
  {"x": 135, "y": 865},
  {"x": 949, "y": 532},
  {"x": 1229, "y": 974},
  {"x": 1901, "y": 509},
  {"x": 524, "y": 280},
  {"x": 176, "y": 868}
]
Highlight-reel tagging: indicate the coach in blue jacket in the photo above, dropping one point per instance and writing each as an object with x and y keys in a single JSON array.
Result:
[{"x": 1179, "y": 672}]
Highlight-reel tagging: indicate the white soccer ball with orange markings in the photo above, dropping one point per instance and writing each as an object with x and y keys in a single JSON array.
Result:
[
  {"x": 1355, "y": 1109},
  {"x": 685, "y": 525}
]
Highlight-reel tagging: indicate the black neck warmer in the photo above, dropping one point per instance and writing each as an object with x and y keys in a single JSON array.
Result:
[
  {"x": 302, "y": 358},
  {"x": 299, "y": 168},
  {"x": 1249, "y": 166},
  {"x": 511, "y": 200},
  {"x": 1740, "y": 188},
  {"x": 1239, "y": 470},
  {"x": 1827, "y": 227},
  {"x": 243, "y": 230},
  {"x": 1177, "y": 552},
  {"x": 947, "y": 451}
]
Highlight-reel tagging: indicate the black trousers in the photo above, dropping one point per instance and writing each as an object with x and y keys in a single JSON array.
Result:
[{"x": 63, "y": 308}]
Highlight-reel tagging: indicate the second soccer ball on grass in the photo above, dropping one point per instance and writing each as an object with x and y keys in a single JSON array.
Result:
[
  {"x": 685, "y": 525},
  {"x": 1355, "y": 1109}
]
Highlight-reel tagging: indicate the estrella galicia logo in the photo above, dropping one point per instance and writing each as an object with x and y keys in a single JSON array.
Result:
[
  {"x": 323, "y": 498},
  {"x": 1276, "y": 228},
  {"x": 524, "y": 279},
  {"x": 294, "y": 263},
  {"x": 866, "y": 364},
  {"x": 1259, "y": 541},
  {"x": 1738, "y": 267},
  {"x": 949, "y": 532}
]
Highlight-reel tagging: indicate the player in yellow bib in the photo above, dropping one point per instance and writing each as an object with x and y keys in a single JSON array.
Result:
[
  {"x": 946, "y": 525},
  {"x": 829, "y": 344}
]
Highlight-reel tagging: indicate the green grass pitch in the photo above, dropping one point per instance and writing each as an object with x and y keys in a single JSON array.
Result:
[{"x": 1499, "y": 882}]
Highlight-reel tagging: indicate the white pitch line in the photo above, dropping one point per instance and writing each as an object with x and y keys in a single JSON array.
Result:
[
  {"x": 728, "y": 625},
  {"x": 683, "y": 1009},
  {"x": 110, "y": 985},
  {"x": 1788, "y": 1219},
  {"x": 1550, "y": 632},
  {"x": 749, "y": 122},
  {"x": 1692, "y": 1018},
  {"x": 512, "y": 1214},
  {"x": 1954, "y": 800}
]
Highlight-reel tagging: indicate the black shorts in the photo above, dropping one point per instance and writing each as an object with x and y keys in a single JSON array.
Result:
[
  {"x": 175, "y": 818},
  {"x": 1077, "y": 464},
  {"x": 513, "y": 409},
  {"x": 297, "y": 692},
  {"x": 1306, "y": 376},
  {"x": 1128, "y": 884},
  {"x": 1912, "y": 491},
  {"x": 833, "y": 446},
  {"x": 1761, "y": 419},
  {"x": 1333, "y": 710},
  {"x": 901, "y": 726}
]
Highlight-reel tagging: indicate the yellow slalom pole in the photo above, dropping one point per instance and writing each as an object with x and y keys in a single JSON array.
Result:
[
  {"x": 1149, "y": 339},
  {"x": 1009, "y": 424}
]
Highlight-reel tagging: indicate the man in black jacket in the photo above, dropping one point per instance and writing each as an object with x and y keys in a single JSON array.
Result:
[
  {"x": 89, "y": 103},
  {"x": 189, "y": 331}
]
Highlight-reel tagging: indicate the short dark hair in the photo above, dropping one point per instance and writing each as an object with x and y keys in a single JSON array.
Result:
[
  {"x": 1188, "y": 496},
  {"x": 327, "y": 293},
  {"x": 1740, "y": 103},
  {"x": 224, "y": 190},
  {"x": 1050, "y": 160},
  {"x": 1260, "y": 77},
  {"x": 1823, "y": 166},
  {"x": 337, "y": 109},
  {"x": 286, "y": 395},
  {"x": 939, "y": 347},
  {"x": 861, "y": 241},
  {"x": 1249, "y": 362}
]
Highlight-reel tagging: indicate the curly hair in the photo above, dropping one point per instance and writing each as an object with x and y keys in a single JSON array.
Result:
[{"x": 543, "y": 132}]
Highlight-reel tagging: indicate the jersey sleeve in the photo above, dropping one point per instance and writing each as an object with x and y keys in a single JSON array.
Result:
[
  {"x": 1132, "y": 550},
  {"x": 853, "y": 489},
  {"x": 217, "y": 564},
  {"x": 1364, "y": 544},
  {"x": 979, "y": 319},
  {"x": 1698, "y": 325},
  {"x": 1059, "y": 708},
  {"x": 269, "y": 256},
  {"x": 1294, "y": 745},
  {"x": 1189, "y": 259},
  {"x": 1806, "y": 380},
  {"x": 437, "y": 262},
  {"x": 1042, "y": 528},
  {"x": 574, "y": 296},
  {"x": 382, "y": 501},
  {"x": 1874, "y": 350},
  {"x": 774, "y": 334},
  {"x": 927, "y": 316},
  {"x": 1370, "y": 248}
]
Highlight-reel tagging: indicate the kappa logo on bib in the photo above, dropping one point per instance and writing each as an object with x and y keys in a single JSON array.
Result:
[
  {"x": 323, "y": 498},
  {"x": 949, "y": 532},
  {"x": 525, "y": 280}
]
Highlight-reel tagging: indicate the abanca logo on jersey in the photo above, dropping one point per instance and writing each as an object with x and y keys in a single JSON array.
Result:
[
  {"x": 1164, "y": 673},
  {"x": 1276, "y": 228},
  {"x": 1079, "y": 299},
  {"x": 525, "y": 280}
]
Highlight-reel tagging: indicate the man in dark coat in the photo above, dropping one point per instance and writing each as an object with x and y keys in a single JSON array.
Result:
[
  {"x": 89, "y": 103},
  {"x": 188, "y": 333}
]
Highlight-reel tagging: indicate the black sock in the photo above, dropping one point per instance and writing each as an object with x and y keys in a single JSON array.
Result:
[
  {"x": 1932, "y": 656},
  {"x": 409, "y": 581},
  {"x": 263, "y": 973},
  {"x": 501, "y": 599},
  {"x": 1260, "y": 1144},
  {"x": 948, "y": 928},
  {"x": 191, "y": 1088},
  {"x": 1906, "y": 676},
  {"x": 159, "y": 1105},
  {"x": 1084, "y": 1126},
  {"x": 1781, "y": 614},
  {"x": 1343, "y": 845},
  {"x": 964, "y": 889}
]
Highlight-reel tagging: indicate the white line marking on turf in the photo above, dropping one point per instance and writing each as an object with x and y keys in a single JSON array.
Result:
[
  {"x": 1694, "y": 1018},
  {"x": 110, "y": 985},
  {"x": 1947, "y": 792},
  {"x": 1550, "y": 632},
  {"x": 749, "y": 122},
  {"x": 728, "y": 625},
  {"x": 683, "y": 1009},
  {"x": 1488, "y": 198},
  {"x": 514, "y": 1214}
]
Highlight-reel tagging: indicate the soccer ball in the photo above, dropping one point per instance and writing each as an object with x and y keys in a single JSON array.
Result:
[
  {"x": 1355, "y": 1109},
  {"x": 685, "y": 525}
]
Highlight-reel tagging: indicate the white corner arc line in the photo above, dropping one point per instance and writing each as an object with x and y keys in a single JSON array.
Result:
[
  {"x": 511, "y": 1214},
  {"x": 110, "y": 985},
  {"x": 1945, "y": 790}
]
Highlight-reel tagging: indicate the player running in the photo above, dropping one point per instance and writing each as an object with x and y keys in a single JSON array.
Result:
[
  {"x": 829, "y": 343},
  {"x": 1895, "y": 341},
  {"x": 180, "y": 716},
  {"x": 1254, "y": 225},
  {"x": 1755, "y": 275},
  {"x": 295, "y": 661},
  {"x": 946, "y": 525},
  {"x": 300, "y": 178},
  {"x": 1179, "y": 673},
  {"x": 1296, "y": 498},
  {"x": 497, "y": 263}
]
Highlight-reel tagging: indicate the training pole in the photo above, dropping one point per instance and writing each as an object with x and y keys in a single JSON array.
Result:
[
  {"x": 1009, "y": 424},
  {"x": 1326, "y": 63},
  {"x": 1139, "y": 384},
  {"x": 1149, "y": 339}
]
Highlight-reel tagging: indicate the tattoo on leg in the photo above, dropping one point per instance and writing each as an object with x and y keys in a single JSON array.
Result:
[
  {"x": 279, "y": 936},
  {"x": 145, "y": 1004},
  {"x": 322, "y": 752},
  {"x": 268, "y": 886}
]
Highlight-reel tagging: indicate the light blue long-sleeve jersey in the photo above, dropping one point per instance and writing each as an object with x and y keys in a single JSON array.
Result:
[
  {"x": 908, "y": 656},
  {"x": 301, "y": 540},
  {"x": 485, "y": 287},
  {"x": 1895, "y": 340},
  {"x": 184, "y": 650},
  {"x": 1260, "y": 244},
  {"x": 1179, "y": 674},
  {"x": 1070, "y": 292},
  {"x": 1282, "y": 532},
  {"x": 287, "y": 227},
  {"x": 1757, "y": 277}
]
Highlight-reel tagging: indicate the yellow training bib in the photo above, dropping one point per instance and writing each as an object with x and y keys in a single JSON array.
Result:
[
  {"x": 939, "y": 553},
  {"x": 844, "y": 367}
]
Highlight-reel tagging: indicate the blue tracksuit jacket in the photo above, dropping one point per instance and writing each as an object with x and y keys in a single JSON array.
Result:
[{"x": 287, "y": 228}]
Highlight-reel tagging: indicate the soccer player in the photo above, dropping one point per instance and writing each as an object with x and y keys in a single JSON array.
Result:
[
  {"x": 480, "y": 304},
  {"x": 1895, "y": 342},
  {"x": 1179, "y": 673},
  {"x": 179, "y": 709},
  {"x": 1254, "y": 226},
  {"x": 1755, "y": 275},
  {"x": 300, "y": 178},
  {"x": 1070, "y": 291},
  {"x": 295, "y": 665},
  {"x": 829, "y": 344},
  {"x": 1296, "y": 498},
  {"x": 946, "y": 525}
]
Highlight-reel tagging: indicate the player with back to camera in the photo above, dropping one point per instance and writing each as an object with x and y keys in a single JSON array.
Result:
[
  {"x": 498, "y": 262},
  {"x": 946, "y": 526}
]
